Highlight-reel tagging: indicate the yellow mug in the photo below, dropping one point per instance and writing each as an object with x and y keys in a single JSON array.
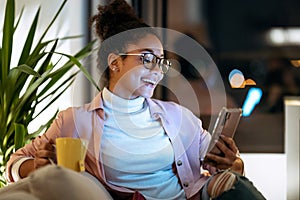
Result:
[{"x": 70, "y": 153}]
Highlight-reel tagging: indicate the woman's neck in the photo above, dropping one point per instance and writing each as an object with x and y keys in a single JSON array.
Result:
[{"x": 120, "y": 104}]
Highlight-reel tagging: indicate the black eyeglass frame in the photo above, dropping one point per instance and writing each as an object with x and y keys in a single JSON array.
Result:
[{"x": 163, "y": 63}]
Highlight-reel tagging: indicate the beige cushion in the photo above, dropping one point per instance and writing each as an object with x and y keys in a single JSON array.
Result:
[
  {"x": 19, "y": 195},
  {"x": 52, "y": 183}
]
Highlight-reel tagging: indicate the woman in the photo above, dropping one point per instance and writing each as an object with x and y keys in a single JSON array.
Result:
[{"x": 139, "y": 147}]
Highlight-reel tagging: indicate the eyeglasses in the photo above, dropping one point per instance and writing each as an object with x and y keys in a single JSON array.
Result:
[{"x": 150, "y": 60}]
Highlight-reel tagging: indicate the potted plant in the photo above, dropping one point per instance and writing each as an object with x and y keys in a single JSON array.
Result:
[{"x": 37, "y": 80}]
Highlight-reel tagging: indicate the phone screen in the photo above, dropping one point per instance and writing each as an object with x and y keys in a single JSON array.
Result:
[{"x": 226, "y": 124}]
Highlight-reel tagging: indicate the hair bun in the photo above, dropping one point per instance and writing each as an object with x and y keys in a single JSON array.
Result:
[{"x": 115, "y": 17}]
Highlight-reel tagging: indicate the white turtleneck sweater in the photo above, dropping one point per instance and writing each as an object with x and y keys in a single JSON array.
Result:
[{"x": 136, "y": 152}]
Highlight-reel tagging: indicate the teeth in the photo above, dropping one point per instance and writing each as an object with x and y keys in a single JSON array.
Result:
[{"x": 150, "y": 81}]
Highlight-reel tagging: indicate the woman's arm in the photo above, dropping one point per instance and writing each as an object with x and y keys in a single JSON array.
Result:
[
  {"x": 35, "y": 154},
  {"x": 43, "y": 156},
  {"x": 26, "y": 168},
  {"x": 29, "y": 158}
]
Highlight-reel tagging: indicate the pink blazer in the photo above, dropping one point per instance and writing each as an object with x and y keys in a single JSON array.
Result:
[{"x": 184, "y": 129}]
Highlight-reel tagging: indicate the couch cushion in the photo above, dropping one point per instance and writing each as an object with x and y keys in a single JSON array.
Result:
[{"x": 55, "y": 182}]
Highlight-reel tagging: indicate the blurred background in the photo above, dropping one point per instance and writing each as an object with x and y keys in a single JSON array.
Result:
[{"x": 259, "y": 39}]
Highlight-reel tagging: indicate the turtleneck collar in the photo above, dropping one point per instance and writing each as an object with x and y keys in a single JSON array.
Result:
[{"x": 119, "y": 104}]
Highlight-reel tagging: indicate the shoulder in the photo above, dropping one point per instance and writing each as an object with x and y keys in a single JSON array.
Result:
[
  {"x": 71, "y": 114},
  {"x": 73, "y": 121}
]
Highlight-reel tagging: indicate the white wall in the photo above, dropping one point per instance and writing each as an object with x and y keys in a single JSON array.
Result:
[
  {"x": 268, "y": 174},
  {"x": 292, "y": 143}
]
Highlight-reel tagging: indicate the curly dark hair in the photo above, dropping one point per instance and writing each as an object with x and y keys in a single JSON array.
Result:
[{"x": 117, "y": 25}]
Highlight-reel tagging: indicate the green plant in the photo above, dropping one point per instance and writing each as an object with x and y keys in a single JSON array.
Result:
[{"x": 37, "y": 80}]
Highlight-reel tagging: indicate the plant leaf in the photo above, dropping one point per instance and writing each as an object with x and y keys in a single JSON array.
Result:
[
  {"x": 83, "y": 69},
  {"x": 56, "y": 96},
  {"x": 7, "y": 40},
  {"x": 41, "y": 128},
  {"x": 19, "y": 19},
  {"x": 28, "y": 70},
  {"x": 8, "y": 152},
  {"x": 54, "y": 81},
  {"x": 30, "y": 90},
  {"x": 20, "y": 132},
  {"x": 29, "y": 40},
  {"x": 32, "y": 83}
]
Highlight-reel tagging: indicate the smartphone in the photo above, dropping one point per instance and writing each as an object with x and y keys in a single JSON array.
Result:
[{"x": 226, "y": 124}]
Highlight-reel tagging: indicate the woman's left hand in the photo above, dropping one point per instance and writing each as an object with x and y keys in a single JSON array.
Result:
[{"x": 229, "y": 154}]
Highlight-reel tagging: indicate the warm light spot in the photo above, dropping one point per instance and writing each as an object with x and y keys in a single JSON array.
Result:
[
  {"x": 250, "y": 82},
  {"x": 237, "y": 79},
  {"x": 295, "y": 63}
]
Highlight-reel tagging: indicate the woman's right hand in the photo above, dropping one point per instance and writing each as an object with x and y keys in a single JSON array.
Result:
[{"x": 44, "y": 155}]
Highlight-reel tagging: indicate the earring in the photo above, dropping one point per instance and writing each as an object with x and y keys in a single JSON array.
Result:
[{"x": 114, "y": 68}]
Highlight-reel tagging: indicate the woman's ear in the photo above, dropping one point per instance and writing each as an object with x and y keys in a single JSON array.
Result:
[{"x": 113, "y": 62}]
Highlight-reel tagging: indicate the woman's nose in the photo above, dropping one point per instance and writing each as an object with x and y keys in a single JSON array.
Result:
[{"x": 157, "y": 68}]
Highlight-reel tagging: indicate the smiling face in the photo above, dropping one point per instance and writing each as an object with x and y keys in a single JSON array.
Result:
[{"x": 129, "y": 78}]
